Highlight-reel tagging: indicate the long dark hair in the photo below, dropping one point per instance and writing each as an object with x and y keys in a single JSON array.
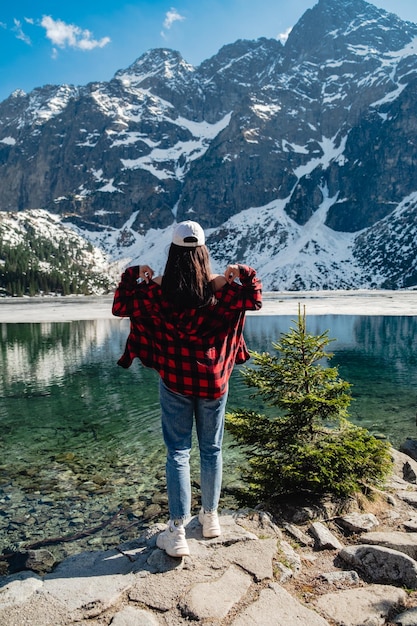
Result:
[{"x": 186, "y": 281}]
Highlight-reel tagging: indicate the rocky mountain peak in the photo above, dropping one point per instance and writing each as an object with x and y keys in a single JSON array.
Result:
[
  {"x": 159, "y": 64},
  {"x": 235, "y": 62},
  {"x": 335, "y": 28},
  {"x": 18, "y": 93}
]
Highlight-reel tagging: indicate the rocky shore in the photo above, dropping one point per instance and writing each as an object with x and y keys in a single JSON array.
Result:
[{"x": 312, "y": 566}]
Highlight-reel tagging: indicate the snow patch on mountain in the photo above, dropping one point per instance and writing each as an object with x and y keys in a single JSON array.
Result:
[
  {"x": 9, "y": 141},
  {"x": 44, "y": 106},
  {"x": 174, "y": 161},
  {"x": 288, "y": 256},
  {"x": 332, "y": 150},
  {"x": 265, "y": 111},
  {"x": 125, "y": 246}
]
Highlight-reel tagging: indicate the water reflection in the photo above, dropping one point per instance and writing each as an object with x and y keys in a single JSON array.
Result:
[
  {"x": 376, "y": 354},
  {"x": 40, "y": 354},
  {"x": 80, "y": 437}
]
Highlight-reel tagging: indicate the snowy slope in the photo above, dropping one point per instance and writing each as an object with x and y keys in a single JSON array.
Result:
[{"x": 67, "y": 250}]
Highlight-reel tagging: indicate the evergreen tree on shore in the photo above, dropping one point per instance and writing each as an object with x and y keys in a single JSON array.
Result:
[{"x": 308, "y": 444}]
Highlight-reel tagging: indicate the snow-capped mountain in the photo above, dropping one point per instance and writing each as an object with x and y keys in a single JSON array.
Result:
[
  {"x": 299, "y": 159},
  {"x": 40, "y": 254}
]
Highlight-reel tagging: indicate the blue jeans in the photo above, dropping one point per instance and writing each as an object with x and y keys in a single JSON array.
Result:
[{"x": 178, "y": 412}]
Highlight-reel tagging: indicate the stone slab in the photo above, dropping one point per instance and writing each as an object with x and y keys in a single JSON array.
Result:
[
  {"x": 130, "y": 616},
  {"x": 90, "y": 581},
  {"x": 348, "y": 607},
  {"x": 214, "y": 599},
  {"x": 403, "y": 542},
  {"x": 19, "y": 589},
  {"x": 276, "y": 607}
]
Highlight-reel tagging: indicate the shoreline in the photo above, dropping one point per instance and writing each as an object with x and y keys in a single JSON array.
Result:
[{"x": 343, "y": 302}]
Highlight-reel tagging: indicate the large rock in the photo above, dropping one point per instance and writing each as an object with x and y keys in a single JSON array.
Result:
[
  {"x": 324, "y": 539},
  {"x": 410, "y": 497},
  {"x": 407, "y": 618},
  {"x": 358, "y": 522},
  {"x": 405, "y": 464},
  {"x": 366, "y": 605},
  {"x": 382, "y": 565},
  {"x": 409, "y": 448}
]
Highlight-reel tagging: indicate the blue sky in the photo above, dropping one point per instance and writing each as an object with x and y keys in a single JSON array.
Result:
[{"x": 46, "y": 41}]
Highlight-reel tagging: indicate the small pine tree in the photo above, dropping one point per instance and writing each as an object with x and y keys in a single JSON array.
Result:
[{"x": 309, "y": 445}]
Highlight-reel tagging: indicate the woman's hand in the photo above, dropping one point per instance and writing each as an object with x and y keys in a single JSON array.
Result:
[
  {"x": 232, "y": 272},
  {"x": 146, "y": 273}
]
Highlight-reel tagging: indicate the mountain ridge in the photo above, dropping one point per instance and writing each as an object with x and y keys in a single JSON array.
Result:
[{"x": 310, "y": 144}]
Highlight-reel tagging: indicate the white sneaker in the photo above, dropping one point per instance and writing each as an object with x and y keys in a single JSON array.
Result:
[
  {"x": 173, "y": 540},
  {"x": 210, "y": 523}
]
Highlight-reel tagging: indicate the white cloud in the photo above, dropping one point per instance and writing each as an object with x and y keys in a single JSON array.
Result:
[
  {"x": 17, "y": 28},
  {"x": 69, "y": 35},
  {"x": 172, "y": 16},
  {"x": 284, "y": 36}
]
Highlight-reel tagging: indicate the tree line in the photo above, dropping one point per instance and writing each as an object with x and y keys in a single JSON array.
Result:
[{"x": 38, "y": 265}]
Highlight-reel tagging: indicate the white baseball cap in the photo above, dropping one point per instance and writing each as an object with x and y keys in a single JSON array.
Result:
[{"x": 188, "y": 234}]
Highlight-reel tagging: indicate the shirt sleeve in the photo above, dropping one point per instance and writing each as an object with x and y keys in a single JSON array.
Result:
[
  {"x": 248, "y": 295},
  {"x": 126, "y": 292}
]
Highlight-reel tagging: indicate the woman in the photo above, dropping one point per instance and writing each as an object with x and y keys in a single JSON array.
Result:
[{"x": 187, "y": 325}]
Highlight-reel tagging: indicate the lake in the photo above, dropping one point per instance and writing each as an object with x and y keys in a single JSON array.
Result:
[{"x": 81, "y": 452}]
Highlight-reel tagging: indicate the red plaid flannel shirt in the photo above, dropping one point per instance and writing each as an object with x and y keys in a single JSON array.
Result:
[{"x": 193, "y": 350}]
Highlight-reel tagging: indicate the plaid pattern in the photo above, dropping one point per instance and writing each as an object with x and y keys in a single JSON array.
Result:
[{"x": 193, "y": 350}]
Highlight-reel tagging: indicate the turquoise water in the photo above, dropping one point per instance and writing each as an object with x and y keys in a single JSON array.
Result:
[
  {"x": 376, "y": 354},
  {"x": 81, "y": 445}
]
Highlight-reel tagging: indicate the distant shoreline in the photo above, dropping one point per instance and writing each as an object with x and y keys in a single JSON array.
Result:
[{"x": 343, "y": 302}]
